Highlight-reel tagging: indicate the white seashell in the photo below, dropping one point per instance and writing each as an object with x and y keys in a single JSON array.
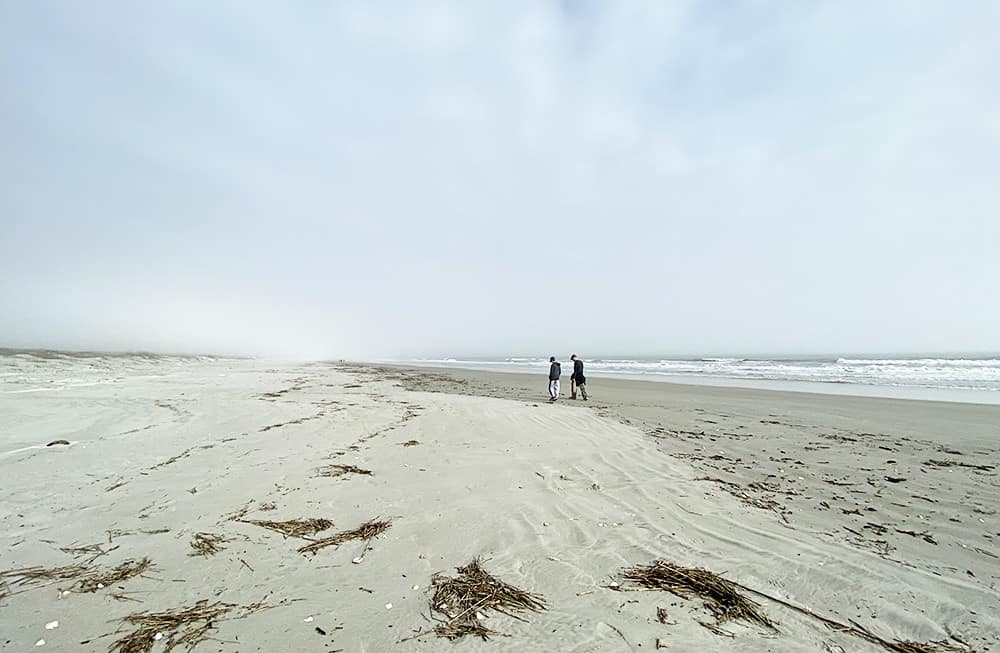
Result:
[
  {"x": 100, "y": 586},
  {"x": 545, "y": 523},
  {"x": 65, "y": 593},
  {"x": 40, "y": 642},
  {"x": 416, "y": 587},
  {"x": 358, "y": 560},
  {"x": 554, "y": 559},
  {"x": 157, "y": 637},
  {"x": 388, "y": 606},
  {"x": 51, "y": 625},
  {"x": 480, "y": 616},
  {"x": 308, "y": 620}
]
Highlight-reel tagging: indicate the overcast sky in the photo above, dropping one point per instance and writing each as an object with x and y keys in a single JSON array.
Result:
[{"x": 365, "y": 179}]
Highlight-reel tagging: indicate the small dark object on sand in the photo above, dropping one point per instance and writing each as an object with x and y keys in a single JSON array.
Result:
[
  {"x": 206, "y": 544},
  {"x": 410, "y": 443},
  {"x": 292, "y": 527},
  {"x": 366, "y": 531},
  {"x": 463, "y": 600},
  {"x": 55, "y": 442},
  {"x": 334, "y": 471}
]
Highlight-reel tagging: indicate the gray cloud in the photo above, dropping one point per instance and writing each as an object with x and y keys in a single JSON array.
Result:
[{"x": 365, "y": 179}]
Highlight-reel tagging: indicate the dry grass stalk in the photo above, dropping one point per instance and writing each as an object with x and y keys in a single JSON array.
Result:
[
  {"x": 207, "y": 544},
  {"x": 293, "y": 527},
  {"x": 129, "y": 569},
  {"x": 367, "y": 531},
  {"x": 463, "y": 601},
  {"x": 333, "y": 471},
  {"x": 241, "y": 513},
  {"x": 857, "y": 630},
  {"x": 185, "y": 627},
  {"x": 87, "y": 550},
  {"x": 117, "y": 532},
  {"x": 721, "y": 597}
]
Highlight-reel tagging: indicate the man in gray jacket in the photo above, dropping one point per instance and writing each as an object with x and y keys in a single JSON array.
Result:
[{"x": 555, "y": 371}]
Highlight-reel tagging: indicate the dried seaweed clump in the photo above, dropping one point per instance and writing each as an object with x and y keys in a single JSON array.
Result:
[
  {"x": 463, "y": 601},
  {"x": 126, "y": 570},
  {"x": 185, "y": 627},
  {"x": 29, "y": 577},
  {"x": 333, "y": 471},
  {"x": 367, "y": 531},
  {"x": 207, "y": 544},
  {"x": 722, "y": 597},
  {"x": 293, "y": 527}
]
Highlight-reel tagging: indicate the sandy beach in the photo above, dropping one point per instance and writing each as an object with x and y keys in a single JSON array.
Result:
[{"x": 876, "y": 513}]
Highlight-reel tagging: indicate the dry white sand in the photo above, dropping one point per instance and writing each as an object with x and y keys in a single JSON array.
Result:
[{"x": 557, "y": 500}]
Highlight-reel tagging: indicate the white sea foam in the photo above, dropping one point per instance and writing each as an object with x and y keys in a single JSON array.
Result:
[{"x": 941, "y": 373}]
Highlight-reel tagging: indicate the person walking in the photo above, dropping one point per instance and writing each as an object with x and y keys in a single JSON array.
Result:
[
  {"x": 578, "y": 382},
  {"x": 555, "y": 371}
]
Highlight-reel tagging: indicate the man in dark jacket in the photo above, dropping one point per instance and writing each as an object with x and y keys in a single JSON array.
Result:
[
  {"x": 555, "y": 371},
  {"x": 578, "y": 382}
]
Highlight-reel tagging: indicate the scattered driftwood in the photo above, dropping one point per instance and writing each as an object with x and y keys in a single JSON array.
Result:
[
  {"x": 300, "y": 420},
  {"x": 293, "y": 527},
  {"x": 924, "y": 535},
  {"x": 207, "y": 544},
  {"x": 99, "y": 580},
  {"x": 764, "y": 503},
  {"x": 366, "y": 531},
  {"x": 958, "y": 463},
  {"x": 721, "y": 597},
  {"x": 333, "y": 471},
  {"x": 462, "y": 602},
  {"x": 182, "y": 627}
]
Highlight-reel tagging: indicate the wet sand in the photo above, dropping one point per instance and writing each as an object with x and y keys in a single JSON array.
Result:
[{"x": 876, "y": 511}]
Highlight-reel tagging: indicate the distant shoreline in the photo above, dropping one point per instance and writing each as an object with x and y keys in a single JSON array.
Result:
[{"x": 910, "y": 393}]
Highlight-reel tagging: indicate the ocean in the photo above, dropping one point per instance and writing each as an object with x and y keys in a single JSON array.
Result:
[{"x": 971, "y": 379}]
